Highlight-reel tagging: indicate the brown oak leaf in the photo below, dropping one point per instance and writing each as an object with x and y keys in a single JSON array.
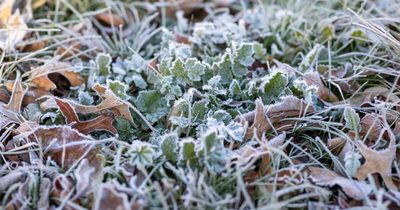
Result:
[
  {"x": 313, "y": 78},
  {"x": 264, "y": 118},
  {"x": 324, "y": 177},
  {"x": 12, "y": 25},
  {"x": 12, "y": 109},
  {"x": 99, "y": 123},
  {"x": 109, "y": 198},
  {"x": 110, "y": 101},
  {"x": 110, "y": 19},
  {"x": 64, "y": 145},
  {"x": 40, "y": 79},
  {"x": 378, "y": 161}
]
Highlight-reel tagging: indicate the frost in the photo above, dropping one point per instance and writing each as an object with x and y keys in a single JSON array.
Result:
[
  {"x": 103, "y": 62},
  {"x": 141, "y": 153}
]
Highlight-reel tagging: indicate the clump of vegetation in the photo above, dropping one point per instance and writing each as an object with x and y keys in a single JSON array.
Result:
[{"x": 217, "y": 104}]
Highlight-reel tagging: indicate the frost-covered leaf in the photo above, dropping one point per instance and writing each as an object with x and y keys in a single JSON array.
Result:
[
  {"x": 141, "y": 153},
  {"x": 273, "y": 86},
  {"x": 152, "y": 103},
  {"x": 234, "y": 88},
  {"x": 169, "y": 146},
  {"x": 235, "y": 131},
  {"x": 213, "y": 151},
  {"x": 125, "y": 129},
  {"x": 244, "y": 54},
  {"x": 85, "y": 98},
  {"x": 355, "y": 189},
  {"x": 222, "y": 116},
  {"x": 352, "y": 119},
  {"x": 310, "y": 58},
  {"x": 194, "y": 68},
  {"x": 139, "y": 81},
  {"x": 187, "y": 149},
  {"x": 32, "y": 112},
  {"x": 103, "y": 62},
  {"x": 118, "y": 88},
  {"x": 199, "y": 110},
  {"x": 352, "y": 162},
  {"x": 378, "y": 162}
]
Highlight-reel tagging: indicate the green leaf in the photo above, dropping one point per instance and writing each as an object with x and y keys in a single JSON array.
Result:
[
  {"x": 32, "y": 112},
  {"x": 141, "y": 153},
  {"x": 103, "y": 62},
  {"x": 118, "y": 88},
  {"x": 148, "y": 100},
  {"x": 85, "y": 98},
  {"x": 244, "y": 54},
  {"x": 273, "y": 86},
  {"x": 213, "y": 152},
  {"x": 169, "y": 146},
  {"x": 224, "y": 69},
  {"x": 234, "y": 88},
  {"x": 199, "y": 110},
  {"x": 126, "y": 130},
  {"x": 139, "y": 81},
  {"x": 235, "y": 131},
  {"x": 222, "y": 116},
  {"x": 327, "y": 32},
  {"x": 187, "y": 149},
  {"x": 195, "y": 69},
  {"x": 352, "y": 162},
  {"x": 153, "y": 104},
  {"x": 178, "y": 69},
  {"x": 260, "y": 53},
  {"x": 310, "y": 58},
  {"x": 352, "y": 119}
]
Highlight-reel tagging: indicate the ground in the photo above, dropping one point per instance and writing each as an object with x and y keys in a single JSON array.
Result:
[{"x": 199, "y": 104}]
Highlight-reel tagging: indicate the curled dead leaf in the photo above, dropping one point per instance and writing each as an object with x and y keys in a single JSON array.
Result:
[
  {"x": 63, "y": 144},
  {"x": 40, "y": 79},
  {"x": 248, "y": 154},
  {"x": 108, "y": 197},
  {"x": 313, "y": 78},
  {"x": 110, "y": 19},
  {"x": 13, "y": 108},
  {"x": 110, "y": 101},
  {"x": 324, "y": 177},
  {"x": 372, "y": 127},
  {"x": 378, "y": 162},
  {"x": 69, "y": 49},
  {"x": 264, "y": 118},
  {"x": 13, "y": 26},
  {"x": 369, "y": 94},
  {"x": 99, "y": 123}
]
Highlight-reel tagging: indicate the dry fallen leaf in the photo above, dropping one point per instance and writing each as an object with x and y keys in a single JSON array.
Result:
[
  {"x": 264, "y": 118},
  {"x": 110, "y": 101},
  {"x": 378, "y": 162},
  {"x": 324, "y": 177},
  {"x": 64, "y": 145},
  {"x": 110, "y": 19},
  {"x": 249, "y": 154},
  {"x": 13, "y": 108},
  {"x": 369, "y": 94},
  {"x": 12, "y": 25},
  {"x": 39, "y": 76},
  {"x": 108, "y": 198},
  {"x": 372, "y": 127},
  {"x": 187, "y": 6},
  {"x": 35, "y": 46},
  {"x": 97, "y": 124},
  {"x": 313, "y": 78},
  {"x": 69, "y": 49}
]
